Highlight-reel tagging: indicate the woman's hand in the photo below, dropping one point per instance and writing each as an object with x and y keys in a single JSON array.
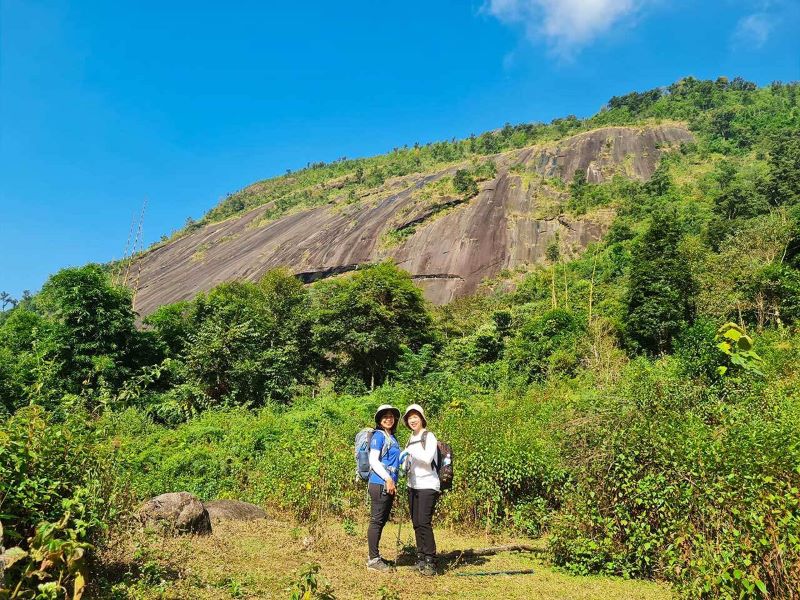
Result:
[{"x": 391, "y": 488}]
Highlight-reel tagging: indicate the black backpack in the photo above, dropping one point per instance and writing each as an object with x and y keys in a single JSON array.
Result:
[{"x": 443, "y": 463}]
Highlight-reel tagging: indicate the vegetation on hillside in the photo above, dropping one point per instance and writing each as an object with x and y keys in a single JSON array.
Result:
[
  {"x": 733, "y": 117},
  {"x": 638, "y": 404}
]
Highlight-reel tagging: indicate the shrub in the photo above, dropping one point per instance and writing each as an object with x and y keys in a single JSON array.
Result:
[
  {"x": 687, "y": 486},
  {"x": 552, "y": 344},
  {"x": 57, "y": 493},
  {"x": 464, "y": 183}
]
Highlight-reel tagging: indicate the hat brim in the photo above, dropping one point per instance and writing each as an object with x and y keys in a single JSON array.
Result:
[{"x": 395, "y": 412}]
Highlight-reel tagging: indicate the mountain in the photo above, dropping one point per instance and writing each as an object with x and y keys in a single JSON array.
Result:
[{"x": 450, "y": 226}]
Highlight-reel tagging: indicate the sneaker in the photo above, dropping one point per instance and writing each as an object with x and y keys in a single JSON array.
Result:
[
  {"x": 429, "y": 567},
  {"x": 378, "y": 564}
]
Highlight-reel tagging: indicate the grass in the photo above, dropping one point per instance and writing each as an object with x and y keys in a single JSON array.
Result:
[{"x": 262, "y": 559}]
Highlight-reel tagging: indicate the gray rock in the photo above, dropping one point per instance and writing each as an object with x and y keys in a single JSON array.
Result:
[
  {"x": 233, "y": 510},
  {"x": 176, "y": 512}
]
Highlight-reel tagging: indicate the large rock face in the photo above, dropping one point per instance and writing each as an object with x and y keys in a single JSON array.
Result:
[{"x": 509, "y": 223}]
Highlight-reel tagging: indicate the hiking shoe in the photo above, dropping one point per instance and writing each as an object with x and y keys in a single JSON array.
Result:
[
  {"x": 378, "y": 564},
  {"x": 428, "y": 568},
  {"x": 420, "y": 564}
]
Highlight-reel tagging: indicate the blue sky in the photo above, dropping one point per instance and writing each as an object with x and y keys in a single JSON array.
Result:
[{"x": 104, "y": 104}]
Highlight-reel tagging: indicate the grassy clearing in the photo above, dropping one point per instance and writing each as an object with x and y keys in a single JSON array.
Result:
[{"x": 261, "y": 560}]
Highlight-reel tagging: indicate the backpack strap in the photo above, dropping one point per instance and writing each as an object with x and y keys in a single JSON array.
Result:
[
  {"x": 387, "y": 443},
  {"x": 422, "y": 440},
  {"x": 434, "y": 462}
]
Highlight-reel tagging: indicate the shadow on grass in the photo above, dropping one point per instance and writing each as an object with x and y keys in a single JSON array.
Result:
[
  {"x": 449, "y": 561},
  {"x": 110, "y": 576}
]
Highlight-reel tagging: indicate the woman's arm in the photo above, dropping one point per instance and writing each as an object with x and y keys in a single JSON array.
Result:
[
  {"x": 426, "y": 454},
  {"x": 376, "y": 465}
]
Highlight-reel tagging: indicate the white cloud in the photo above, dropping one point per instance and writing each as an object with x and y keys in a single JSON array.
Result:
[
  {"x": 753, "y": 30},
  {"x": 566, "y": 25}
]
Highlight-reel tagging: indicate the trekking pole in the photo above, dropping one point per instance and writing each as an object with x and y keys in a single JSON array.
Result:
[{"x": 399, "y": 528}]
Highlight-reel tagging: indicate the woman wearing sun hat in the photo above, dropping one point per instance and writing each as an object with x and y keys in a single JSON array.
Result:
[
  {"x": 423, "y": 485},
  {"x": 384, "y": 460}
]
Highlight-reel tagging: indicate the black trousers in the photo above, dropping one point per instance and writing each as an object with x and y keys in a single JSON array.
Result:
[
  {"x": 422, "y": 503},
  {"x": 381, "y": 507}
]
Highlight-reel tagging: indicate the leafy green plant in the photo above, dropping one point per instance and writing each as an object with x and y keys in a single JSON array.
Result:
[
  {"x": 349, "y": 527},
  {"x": 53, "y": 562},
  {"x": 464, "y": 183},
  {"x": 311, "y": 585},
  {"x": 737, "y": 346},
  {"x": 387, "y": 593}
]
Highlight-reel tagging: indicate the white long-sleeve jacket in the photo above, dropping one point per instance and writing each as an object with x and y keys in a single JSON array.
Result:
[{"x": 421, "y": 473}]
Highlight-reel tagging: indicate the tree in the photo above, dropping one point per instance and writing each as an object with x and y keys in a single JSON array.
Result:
[
  {"x": 739, "y": 196},
  {"x": 553, "y": 254},
  {"x": 464, "y": 183},
  {"x": 783, "y": 184},
  {"x": 722, "y": 122},
  {"x": 660, "y": 182},
  {"x": 173, "y": 325},
  {"x": 661, "y": 291},
  {"x": 577, "y": 191},
  {"x": 93, "y": 335},
  {"x": 363, "y": 320},
  {"x": 249, "y": 343},
  {"x": 550, "y": 344},
  {"x": 773, "y": 295},
  {"x": 6, "y": 300}
]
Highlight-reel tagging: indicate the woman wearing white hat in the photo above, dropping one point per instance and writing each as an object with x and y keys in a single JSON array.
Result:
[
  {"x": 384, "y": 460},
  {"x": 423, "y": 485}
]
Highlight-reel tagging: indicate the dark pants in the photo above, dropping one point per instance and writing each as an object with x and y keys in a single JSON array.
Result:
[
  {"x": 422, "y": 503},
  {"x": 379, "y": 515}
]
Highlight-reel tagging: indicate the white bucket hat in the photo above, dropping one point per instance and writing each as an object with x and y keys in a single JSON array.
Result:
[
  {"x": 384, "y": 408},
  {"x": 415, "y": 408}
]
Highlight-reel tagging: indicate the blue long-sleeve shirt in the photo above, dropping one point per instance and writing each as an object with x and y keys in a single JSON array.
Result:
[{"x": 389, "y": 463}]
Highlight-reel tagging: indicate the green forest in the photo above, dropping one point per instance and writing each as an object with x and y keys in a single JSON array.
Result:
[{"x": 638, "y": 406}]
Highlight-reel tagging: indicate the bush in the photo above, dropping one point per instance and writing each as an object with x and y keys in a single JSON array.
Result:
[
  {"x": 464, "y": 183},
  {"x": 507, "y": 464},
  {"x": 552, "y": 344},
  {"x": 57, "y": 492},
  {"x": 298, "y": 460},
  {"x": 690, "y": 485}
]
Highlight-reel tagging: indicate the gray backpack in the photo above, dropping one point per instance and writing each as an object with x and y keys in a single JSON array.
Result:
[{"x": 363, "y": 439}]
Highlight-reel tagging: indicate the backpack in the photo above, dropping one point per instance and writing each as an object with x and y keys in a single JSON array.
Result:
[
  {"x": 361, "y": 451},
  {"x": 443, "y": 463}
]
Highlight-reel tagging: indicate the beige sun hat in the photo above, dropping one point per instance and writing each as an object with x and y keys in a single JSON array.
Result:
[{"x": 415, "y": 408}]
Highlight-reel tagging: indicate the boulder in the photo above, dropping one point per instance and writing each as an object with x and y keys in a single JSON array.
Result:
[
  {"x": 233, "y": 510},
  {"x": 176, "y": 512}
]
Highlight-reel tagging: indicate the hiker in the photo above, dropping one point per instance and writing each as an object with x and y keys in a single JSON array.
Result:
[
  {"x": 384, "y": 460},
  {"x": 423, "y": 485}
]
